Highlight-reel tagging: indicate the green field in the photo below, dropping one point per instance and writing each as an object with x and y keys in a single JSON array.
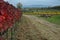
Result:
[
  {"x": 40, "y": 11},
  {"x": 54, "y": 19}
]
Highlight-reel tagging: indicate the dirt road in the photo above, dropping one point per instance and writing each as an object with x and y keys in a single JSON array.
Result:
[{"x": 33, "y": 28}]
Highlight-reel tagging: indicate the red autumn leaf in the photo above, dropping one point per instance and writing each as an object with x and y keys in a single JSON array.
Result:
[
  {"x": 1, "y": 25},
  {"x": 2, "y": 18}
]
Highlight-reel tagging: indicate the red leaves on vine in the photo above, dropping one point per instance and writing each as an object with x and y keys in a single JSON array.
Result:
[{"x": 8, "y": 16}]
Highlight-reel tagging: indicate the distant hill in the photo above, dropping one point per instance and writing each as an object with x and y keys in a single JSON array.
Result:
[
  {"x": 41, "y": 6},
  {"x": 54, "y": 7},
  {"x": 34, "y": 6}
]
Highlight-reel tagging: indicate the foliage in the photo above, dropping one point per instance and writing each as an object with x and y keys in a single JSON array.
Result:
[
  {"x": 40, "y": 11},
  {"x": 8, "y": 16}
]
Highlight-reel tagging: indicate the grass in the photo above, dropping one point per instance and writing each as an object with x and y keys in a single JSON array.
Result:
[{"x": 54, "y": 19}]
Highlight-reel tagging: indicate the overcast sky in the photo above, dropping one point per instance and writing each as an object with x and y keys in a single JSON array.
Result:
[{"x": 36, "y": 2}]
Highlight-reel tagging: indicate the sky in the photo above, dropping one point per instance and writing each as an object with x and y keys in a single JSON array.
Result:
[
  {"x": 35, "y": 2},
  {"x": 14, "y": 2}
]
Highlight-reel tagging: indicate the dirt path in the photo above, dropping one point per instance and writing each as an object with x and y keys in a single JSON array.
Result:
[
  {"x": 48, "y": 30},
  {"x": 27, "y": 31},
  {"x": 40, "y": 20},
  {"x": 33, "y": 28}
]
